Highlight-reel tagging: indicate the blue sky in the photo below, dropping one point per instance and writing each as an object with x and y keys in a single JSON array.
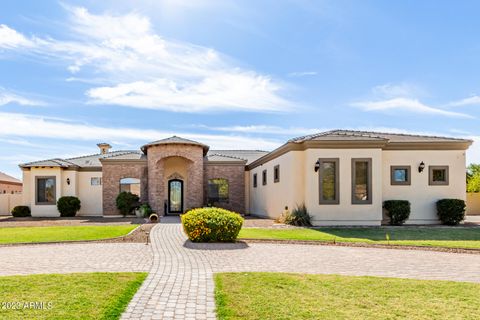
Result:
[{"x": 232, "y": 74}]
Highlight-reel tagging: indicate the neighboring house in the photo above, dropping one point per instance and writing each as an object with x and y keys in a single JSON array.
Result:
[
  {"x": 341, "y": 176},
  {"x": 9, "y": 184}
]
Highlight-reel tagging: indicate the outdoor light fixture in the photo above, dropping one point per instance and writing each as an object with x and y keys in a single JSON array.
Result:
[
  {"x": 68, "y": 181},
  {"x": 421, "y": 167},
  {"x": 317, "y": 165}
]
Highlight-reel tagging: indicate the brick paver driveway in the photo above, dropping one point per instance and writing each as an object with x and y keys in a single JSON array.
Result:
[{"x": 180, "y": 284}]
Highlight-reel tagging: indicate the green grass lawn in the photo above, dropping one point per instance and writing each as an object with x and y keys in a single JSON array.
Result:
[
  {"x": 45, "y": 234},
  {"x": 71, "y": 296},
  {"x": 262, "y": 296},
  {"x": 464, "y": 237}
]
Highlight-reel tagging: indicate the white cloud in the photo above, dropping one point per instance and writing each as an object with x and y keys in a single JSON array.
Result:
[
  {"x": 24, "y": 125},
  {"x": 265, "y": 129},
  {"x": 302, "y": 73},
  {"x": 144, "y": 70},
  {"x": 10, "y": 38},
  {"x": 473, "y": 100},
  {"x": 390, "y": 90},
  {"x": 406, "y": 104},
  {"x": 7, "y": 97}
]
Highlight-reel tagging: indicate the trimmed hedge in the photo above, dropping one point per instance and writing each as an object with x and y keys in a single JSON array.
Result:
[
  {"x": 21, "y": 211},
  {"x": 397, "y": 210},
  {"x": 126, "y": 202},
  {"x": 211, "y": 225},
  {"x": 451, "y": 211},
  {"x": 68, "y": 206}
]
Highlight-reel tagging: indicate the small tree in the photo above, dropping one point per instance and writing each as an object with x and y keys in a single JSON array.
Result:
[
  {"x": 68, "y": 206},
  {"x": 473, "y": 178},
  {"x": 126, "y": 202}
]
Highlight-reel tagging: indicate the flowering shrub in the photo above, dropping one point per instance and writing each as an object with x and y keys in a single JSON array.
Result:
[{"x": 212, "y": 225}]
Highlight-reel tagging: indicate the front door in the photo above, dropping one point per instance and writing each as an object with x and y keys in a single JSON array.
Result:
[{"x": 175, "y": 196}]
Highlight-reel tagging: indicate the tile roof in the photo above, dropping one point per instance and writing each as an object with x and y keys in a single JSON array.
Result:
[
  {"x": 174, "y": 140},
  {"x": 88, "y": 161},
  {"x": 372, "y": 136},
  {"x": 6, "y": 178},
  {"x": 235, "y": 155}
]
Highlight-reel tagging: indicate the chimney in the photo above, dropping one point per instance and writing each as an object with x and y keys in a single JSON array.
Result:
[{"x": 104, "y": 147}]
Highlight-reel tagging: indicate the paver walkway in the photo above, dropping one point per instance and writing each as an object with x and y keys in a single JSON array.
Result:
[{"x": 180, "y": 284}]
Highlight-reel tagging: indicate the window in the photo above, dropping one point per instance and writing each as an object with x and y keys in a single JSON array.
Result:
[
  {"x": 217, "y": 190},
  {"x": 276, "y": 173},
  {"x": 254, "y": 180},
  {"x": 362, "y": 181},
  {"x": 400, "y": 175},
  {"x": 329, "y": 183},
  {"x": 130, "y": 185},
  {"x": 45, "y": 190},
  {"x": 438, "y": 175},
  {"x": 96, "y": 181},
  {"x": 264, "y": 177}
]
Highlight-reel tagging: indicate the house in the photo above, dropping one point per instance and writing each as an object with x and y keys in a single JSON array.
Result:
[
  {"x": 9, "y": 184},
  {"x": 341, "y": 176}
]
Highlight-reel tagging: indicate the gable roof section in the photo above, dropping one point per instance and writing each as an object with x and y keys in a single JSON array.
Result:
[
  {"x": 175, "y": 140},
  {"x": 9, "y": 179},
  {"x": 248, "y": 156}
]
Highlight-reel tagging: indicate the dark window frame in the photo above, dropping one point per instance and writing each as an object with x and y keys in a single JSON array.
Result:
[
  {"x": 438, "y": 183},
  {"x": 255, "y": 181},
  {"x": 95, "y": 185},
  {"x": 400, "y": 183},
  {"x": 276, "y": 173},
  {"x": 222, "y": 200},
  {"x": 264, "y": 177},
  {"x": 337, "y": 181},
  {"x": 47, "y": 203},
  {"x": 369, "y": 177}
]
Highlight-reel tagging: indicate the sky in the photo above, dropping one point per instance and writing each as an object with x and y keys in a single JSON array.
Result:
[{"x": 243, "y": 74}]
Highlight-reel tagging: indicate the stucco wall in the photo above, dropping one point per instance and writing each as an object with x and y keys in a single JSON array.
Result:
[
  {"x": 235, "y": 174},
  {"x": 344, "y": 213},
  {"x": 29, "y": 190},
  {"x": 90, "y": 196},
  {"x": 8, "y": 201},
  {"x": 7, "y": 187},
  {"x": 270, "y": 200},
  {"x": 421, "y": 195},
  {"x": 473, "y": 204}
]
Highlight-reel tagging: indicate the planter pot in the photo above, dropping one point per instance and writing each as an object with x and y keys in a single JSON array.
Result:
[
  {"x": 139, "y": 213},
  {"x": 153, "y": 218}
]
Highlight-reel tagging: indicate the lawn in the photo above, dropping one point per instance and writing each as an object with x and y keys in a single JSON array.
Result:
[
  {"x": 263, "y": 296},
  {"x": 68, "y": 233},
  {"x": 68, "y": 296},
  {"x": 451, "y": 237}
]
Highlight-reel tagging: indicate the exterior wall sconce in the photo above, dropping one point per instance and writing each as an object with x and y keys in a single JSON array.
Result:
[
  {"x": 68, "y": 181},
  {"x": 421, "y": 167},
  {"x": 317, "y": 165}
]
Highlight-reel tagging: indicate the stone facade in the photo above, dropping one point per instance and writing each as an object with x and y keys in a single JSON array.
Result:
[
  {"x": 111, "y": 175},
  {"x": 235, "y": 174}
]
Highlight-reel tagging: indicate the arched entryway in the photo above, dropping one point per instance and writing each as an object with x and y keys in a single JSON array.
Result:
[{"x": 175, "y": 196}]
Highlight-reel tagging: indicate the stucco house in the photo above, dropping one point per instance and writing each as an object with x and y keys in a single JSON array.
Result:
[
  {"x": 341, "y": 176},
  {"x": 9, "y": 184}
]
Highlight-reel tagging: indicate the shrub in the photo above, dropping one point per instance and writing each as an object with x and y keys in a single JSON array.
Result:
[
  {"x": 146, "y": 210},
  {"x": 68, "y": 206},
  {"x": 21, "y": 211},
  {"x": 397, "y": 210},
  {"x": 126, "y": 202},
  {"x": 451, "y": 211},
  {"x": 298, "y": 217},
  {"x": 212, "y": 225}
]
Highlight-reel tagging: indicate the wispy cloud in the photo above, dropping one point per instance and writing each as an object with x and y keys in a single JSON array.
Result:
[
  {"x": 473, "y": 100},
  {"x": 141, "y": 69},
  {"x": 25, "y": 125},
  {"x": 302, "y": 73},
  {"x": 402, "y": 97},
  {"x": 7, "y": 97},
  {"x": 263, "y": 129}
]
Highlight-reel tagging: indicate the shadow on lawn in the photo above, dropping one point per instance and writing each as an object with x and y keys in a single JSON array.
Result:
[{"x": 405, "y": 233}]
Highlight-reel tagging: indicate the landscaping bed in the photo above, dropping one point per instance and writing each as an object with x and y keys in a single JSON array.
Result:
[
  {"x": 252, "y": 296},
  {"x": 68, "y": 296},
  {"x": 437, "y": 237}
]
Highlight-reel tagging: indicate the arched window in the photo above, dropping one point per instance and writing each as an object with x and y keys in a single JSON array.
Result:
[
  {"x": 130, "y": 185},
  {"x": 217, "y": 190}
]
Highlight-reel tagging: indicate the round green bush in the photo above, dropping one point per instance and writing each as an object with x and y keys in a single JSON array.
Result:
[
  {"x": 68, "y": 206},
  {"x": 21, "y": 211},
  {"x": 451, "y": 211},
  {"x": 397, "y": 210},
  {"x": 126, "y": 202},
  {"x": 212, "y": 225}
]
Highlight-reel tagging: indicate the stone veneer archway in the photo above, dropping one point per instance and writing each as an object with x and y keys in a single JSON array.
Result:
[{"x": 156, "y": 159}]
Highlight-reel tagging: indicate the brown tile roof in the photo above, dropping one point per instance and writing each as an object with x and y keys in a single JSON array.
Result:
[
  {"x": 6, "y": 178},
  {"x": 174, "y": 140}
]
